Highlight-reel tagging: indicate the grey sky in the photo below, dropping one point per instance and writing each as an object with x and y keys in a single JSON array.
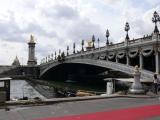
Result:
[{"x": 56, "y": 24}]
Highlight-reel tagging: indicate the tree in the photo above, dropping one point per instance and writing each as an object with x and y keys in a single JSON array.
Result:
[{"x": 62, "y": 56}]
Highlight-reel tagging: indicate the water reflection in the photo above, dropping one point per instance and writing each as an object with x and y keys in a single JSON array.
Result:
[{"x": 20, "y": 89}]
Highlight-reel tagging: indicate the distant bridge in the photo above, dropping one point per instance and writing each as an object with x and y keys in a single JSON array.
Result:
[{"x": 4, "y": 68}]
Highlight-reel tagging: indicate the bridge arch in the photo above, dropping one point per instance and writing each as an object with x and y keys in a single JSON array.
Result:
[
  {"x": 146, "y": 75},
  {"x": 97, "y": 63}
]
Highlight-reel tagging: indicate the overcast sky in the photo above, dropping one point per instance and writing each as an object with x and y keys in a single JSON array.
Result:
[{"x": 58, "y": 23}]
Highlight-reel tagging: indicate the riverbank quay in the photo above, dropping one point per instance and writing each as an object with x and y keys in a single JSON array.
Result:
[{"x": 35, "y": 102}]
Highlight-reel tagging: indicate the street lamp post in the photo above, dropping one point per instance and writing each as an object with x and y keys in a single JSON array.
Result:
[
  {"x": 67, "y": 50},
  {"x": 127, "y": 28},
  {"x": 49, "y": 58},
  {"x": 107, "y": 35},
  {"x": 93, "y": 40},
  {"x": 55, "y": 56},
  {"x": 43, "y": 60},
  {"x": 59, "y": 52},
  {"x": 52, "y": 56},
  {"x": 46, "y": 60},
  {"x": 82, "y": 45},
  {"x": 155, "y": 19},
  {"x": 98, "y": 43},
  {"x": 74, "y": 46}
]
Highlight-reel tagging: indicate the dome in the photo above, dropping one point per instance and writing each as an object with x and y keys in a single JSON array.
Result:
[{"x": 16, "y": 62}]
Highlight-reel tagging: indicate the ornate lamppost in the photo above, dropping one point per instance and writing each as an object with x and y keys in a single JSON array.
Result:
[
  {"x": 155, "y": 19},
  {"x": 55, "y": 56},
  {"x": 67, "y": 50},
  {"x": 107, "y": 35},
  {"x": 93, "y": 40},
  {"x": 59, "y": 52},
  {"x": 46, "y": 60},
  {"x": 52, "y": 56},
  {"x": 74, "y": 46},
  {"x": 127, "y": 28},
  {"x": 82, "y": 45},
  {"x": 43, "y": 60},
  {"x": 49, "y": 58},
  {"x": 98, "y": 42}
]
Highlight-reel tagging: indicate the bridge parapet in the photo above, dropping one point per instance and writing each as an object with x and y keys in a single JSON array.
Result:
[
  {"x": 136, "y": 43},
  {"x": 116, "y": 47},
  {"x": 148, "y": 41}
]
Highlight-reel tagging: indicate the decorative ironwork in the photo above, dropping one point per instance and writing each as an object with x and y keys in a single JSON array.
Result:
[
  {"x": 59, "y": 58},
  {"x": 67, "y": 50},
  {"x": 49, "y": 58},
  {"x": 59, "y": 52},
  {"x": 55, "y": 56},
  {"x": 127, "y": 28},
  {"x": 133, "y": 54},
  {"x": 82, "y": 45},
  {"x": 46, "y": 60},
  {"x": 147, "y": 51},
  {"x": 52, "y": 56},
  {"x": 74, "y": 46},
  {"x": 107, "y": 35},
  {"x": 98, "y": 42},
  {"x": 121, "y": 55},
  {"x": 111, "y": 55},
  {"x": 155, "y": 19},
  {"x": 62, "y": 57},
  {"x": 93, "y": 40}
]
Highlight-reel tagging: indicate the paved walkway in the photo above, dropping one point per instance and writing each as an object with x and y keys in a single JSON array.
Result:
[
  {"x": 98, "y": 108},
  {"x": 71, "y": 99},
  {"x": 136, "y": 113}
]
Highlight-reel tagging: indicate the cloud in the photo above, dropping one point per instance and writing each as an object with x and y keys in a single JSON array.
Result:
[
  {"x": 56, "y": 24},
  {"x": 153, "y": 2},
  {"x": 143, "y": 24},
  {"x": 84, "y": 29},
  {"x": 62, "y": 12},
  {"x": 111, "y": 1}
]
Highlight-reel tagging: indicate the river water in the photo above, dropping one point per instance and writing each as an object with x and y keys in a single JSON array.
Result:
[{"x": 21, "y": 88}]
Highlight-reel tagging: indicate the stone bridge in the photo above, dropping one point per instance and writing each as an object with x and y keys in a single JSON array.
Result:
[
  {"x": 144, "y": 52},
  {"x": 4, "y": 68}
]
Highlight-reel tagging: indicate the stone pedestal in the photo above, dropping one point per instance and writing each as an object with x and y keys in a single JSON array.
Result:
[
  {"x": 109, "y": 87},
  {"x": 31, "y": 53},
  {"x": 155, "y": 37},
  {"x": 136, "y": 87}
]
